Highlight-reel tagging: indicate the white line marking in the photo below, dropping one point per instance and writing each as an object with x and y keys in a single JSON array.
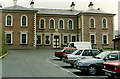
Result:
[{"x": 71, "y": 72}]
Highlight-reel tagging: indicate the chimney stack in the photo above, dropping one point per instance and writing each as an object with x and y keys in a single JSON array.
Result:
[
  {"x": 90, "y": 5},
  {"x": 15, "y": 2},
  {"x": 32, "y": 4},
  {"x": 72, "y": 6}
]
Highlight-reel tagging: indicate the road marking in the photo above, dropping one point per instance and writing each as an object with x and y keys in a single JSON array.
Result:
[
  {"x": 48, "y": 60},
  {"x": 62, "y": 68}
]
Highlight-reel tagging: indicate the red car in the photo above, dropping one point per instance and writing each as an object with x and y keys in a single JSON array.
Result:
[
  {"x": 64, "y": 51},
  {"x": 112, "y": 69}
]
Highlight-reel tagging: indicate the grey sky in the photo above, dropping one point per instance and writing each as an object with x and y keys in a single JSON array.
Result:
[{"x": 105, "y": 5}]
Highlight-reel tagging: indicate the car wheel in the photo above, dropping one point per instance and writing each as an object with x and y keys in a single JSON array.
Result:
[{"x": 92, "y": 70}]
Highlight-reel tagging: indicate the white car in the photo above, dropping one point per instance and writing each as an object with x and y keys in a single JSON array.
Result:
[{"x": 80, "y": 54}]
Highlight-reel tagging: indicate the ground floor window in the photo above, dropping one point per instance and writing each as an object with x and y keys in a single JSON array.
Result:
[
  {"x": 9, "y": 38},
  {"x": 39, "y": 40},
  {"x": 73, "y": 38},
  {"x": 105, "y": 39},
  {"x": 47, "y": 39},
  {"x": 65, "y": 40},
  {"x": 23, "y": 38},
  {"x": 92, "y": 39}
]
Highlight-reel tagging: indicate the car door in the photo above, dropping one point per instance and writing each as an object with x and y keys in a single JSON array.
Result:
[{"x": 87, "y": 54}]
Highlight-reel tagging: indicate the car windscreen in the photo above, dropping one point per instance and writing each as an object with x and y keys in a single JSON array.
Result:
[{"x": 102, "y": 55}]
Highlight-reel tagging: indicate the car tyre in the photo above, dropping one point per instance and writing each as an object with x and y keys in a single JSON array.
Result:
[{"x": 92, "y": 70}]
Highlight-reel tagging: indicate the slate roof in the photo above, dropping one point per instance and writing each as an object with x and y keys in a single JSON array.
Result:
[
  {"x": 58, "y": 11},
  {"x": 97, "y": 11},
  {"x": 17, "y": 7}
]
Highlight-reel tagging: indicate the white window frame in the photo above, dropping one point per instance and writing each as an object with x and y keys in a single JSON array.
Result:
[
  {"x": 40, "y": 23},
  {"x": 11, "y": 20},
  {"x": 9, "y": 32},
  {"x": 79, "y": 24},
  {"x": 103, "y": 39},
  {"x": 59, "y": 23},
  {"x": 26, "y": 37},
  {"x": 49, "y": 38},
  {"x": 41, "y": 39},
  {"x": 94, "y": 37},
  {"x": 75, "y": 37},
  {"x": 106, "y": 23},
  {"x": 26, "y": 20},
  {"x": 54, "y": 23},
  {"x": 72, "y": 24},
  {"x": 90, "y": 23},
  {"x": 67, "y": 38}
]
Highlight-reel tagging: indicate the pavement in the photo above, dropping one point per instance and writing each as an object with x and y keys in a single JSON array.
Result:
[{"x": 39, "y": 63}]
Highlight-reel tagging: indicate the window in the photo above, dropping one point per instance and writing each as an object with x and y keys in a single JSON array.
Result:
[
  {"x": 105, "y": 39},
  {"x": 87, "y": 53},
  {"x": 93, "y": 38},
  {"x": 52, "y": 24},
  {"x": 92, "y": 23},
  {"x": 9, "y": 38},
  {"x": 42, "y": 23},
  {"x": 23, "y": 38},
  {"x": 65, "y": 40},
  {"x": 73, "y": 38},
  {"x": 70, "y": 24},
  {"x": 95, "y": 52},
  {"x": 61, "y": 24},
  {"x": 47, "y": 40},
  {"x": 113, "y": 56},
  {"x": 8, "y": 20},
  {"x": 39, "y": 40},
  {"x": 104, "y": 23},
  {"x": 69, "y": 50},
  {"x": 24, "y": 20}
]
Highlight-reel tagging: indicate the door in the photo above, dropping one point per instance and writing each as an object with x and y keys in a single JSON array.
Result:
[{"x": 56, "y": 42}]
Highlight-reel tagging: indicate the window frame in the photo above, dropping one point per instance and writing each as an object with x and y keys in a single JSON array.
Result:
[
  {"x": 106, "y": 39},
  {"x": 67, "y": 38},
  {"x": 59, "y": 24},
  {"x": 40, "y": 40},
  {"x": 11, "y": 33},
  {"x": 94, "y": 38},
  {"x": 75, "y": 37},
  {"x": 49, "y": 39},
  {"x": 6, "y": 23},
  {"x": 103, "y": 23},
  {"x": 21, "y": 38},
  {"x": 50, "y": 23},
  {"x": 90, "y": 23},
  {"x": 40, "y": 23},
  {"x": 26, "y": 21},
  {"x": 72, "y": 24}
]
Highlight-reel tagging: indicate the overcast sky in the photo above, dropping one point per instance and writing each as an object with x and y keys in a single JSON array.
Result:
[{"x": 105, "y": 5}]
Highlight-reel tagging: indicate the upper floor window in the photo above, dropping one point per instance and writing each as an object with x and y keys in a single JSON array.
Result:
[
  {"x": 61, "y": 24},
  {"x": 42, "y": 23},
  {"x": 70, "y": 24},
  {"x": 24, "y": 20},
  {"x": 104, "y": 23},
  {"x": 52, "y": 24},
  {"x": 9, "y": 20},
  {"x": 92, "y": 23}
]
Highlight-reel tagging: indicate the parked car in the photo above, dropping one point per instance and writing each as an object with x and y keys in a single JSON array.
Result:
[
  {"x": 112, "y": 69},
  {"x": 80, "y": 45},
  {"x": 64, "y": 51},
  {"x": 80, "y": 54},
  {"x": 93, "y": 65}
]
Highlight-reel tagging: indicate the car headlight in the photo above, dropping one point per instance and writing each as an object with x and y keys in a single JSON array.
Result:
[
  {"x": 115, "y": 68},
  {"x": 104, "y": 66}
]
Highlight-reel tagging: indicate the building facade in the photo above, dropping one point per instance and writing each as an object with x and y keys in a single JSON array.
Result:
[
  {"x": 54, "y": 28},
  {"x": 116, "y": 42}
]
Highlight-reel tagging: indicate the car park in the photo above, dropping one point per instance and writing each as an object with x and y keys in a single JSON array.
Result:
[
  {"x": 112, "y": 69},
  {"x": 80, "y": 54},
  {"x": 64, "y": 51},
  {"x": 94, "y": 65}
]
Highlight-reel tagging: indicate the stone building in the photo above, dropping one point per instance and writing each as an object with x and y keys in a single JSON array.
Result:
[
  {"x": 54, "y": 28},
  {"x": 116, "y": 43}
]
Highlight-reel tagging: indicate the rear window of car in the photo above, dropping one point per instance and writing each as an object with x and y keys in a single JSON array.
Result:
[
  {"x": 68, "y": 50},
  {"x": 95, "y": 52}
]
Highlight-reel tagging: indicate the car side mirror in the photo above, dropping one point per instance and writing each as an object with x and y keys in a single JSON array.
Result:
[{"x": 106, "y": 58}]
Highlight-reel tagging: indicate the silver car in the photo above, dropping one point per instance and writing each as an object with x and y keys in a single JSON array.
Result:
[{"x": 80, "y": 54}]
